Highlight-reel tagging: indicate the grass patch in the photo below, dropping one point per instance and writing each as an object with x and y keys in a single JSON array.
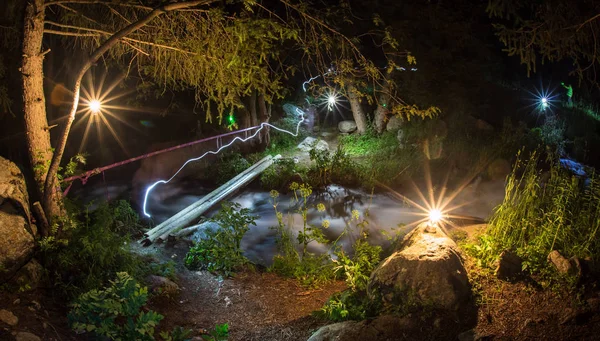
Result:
[
  {"x": 221, "y": 250},
  {"x": 541, "y": 212}
]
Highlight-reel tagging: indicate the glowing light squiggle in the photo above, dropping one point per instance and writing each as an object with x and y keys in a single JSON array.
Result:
[{"x": 237, "y": 138}]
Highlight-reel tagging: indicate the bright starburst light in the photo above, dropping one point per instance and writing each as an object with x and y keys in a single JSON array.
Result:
[
  {"x": 95, "y": 108},
  {"x": 437, "y": 212},
  {"x": 542, "y": 99},
  {"x": 237, "y": 138}
]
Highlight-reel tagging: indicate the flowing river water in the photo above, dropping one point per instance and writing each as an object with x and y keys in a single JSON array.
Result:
[{"x": 383, "y": 211}]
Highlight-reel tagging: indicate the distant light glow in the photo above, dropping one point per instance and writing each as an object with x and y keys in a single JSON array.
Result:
[
  {"x": 542, "y": 99},
  {"x": 435, "y": 215},
  {"x": 237, "y": 138},
  {"x": 95, "y": 106},
  {"x": 331, "y": 101}
]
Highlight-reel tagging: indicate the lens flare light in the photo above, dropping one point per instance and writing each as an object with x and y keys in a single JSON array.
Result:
[{"x": 95, "y": 106}]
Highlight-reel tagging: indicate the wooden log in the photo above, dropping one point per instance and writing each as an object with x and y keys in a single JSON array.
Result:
[
  {"x": 193, "y": 211},
  {"x": 167, "y": 224}
]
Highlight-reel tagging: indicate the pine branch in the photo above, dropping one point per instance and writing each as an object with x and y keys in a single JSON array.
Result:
[
  {"x": 49, "y": 185},
  {"x": 98, "y": 33}
]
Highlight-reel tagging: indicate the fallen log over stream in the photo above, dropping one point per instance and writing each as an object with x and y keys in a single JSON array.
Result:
[{"x": 189, "y": 214}]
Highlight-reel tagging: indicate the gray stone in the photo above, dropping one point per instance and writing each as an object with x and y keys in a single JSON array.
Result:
[
  {"x": 509, "y": 266},
  {"x": 17, "y": 242},
  {"x": 310, "y": 143},
  {"x": 29, "y": 276},
  {"x": 203, "y": 228},
  {"x": 162, "y": 285},
  {"x": 347, "y": 126},
  {"x": 562, "y": 265},
  {"x": 26, "y": 336},
  {"x": 347, "y": 330},
  {"x": 394, "y": 123},
  {"x": 426, "y": 268},
  {"x": 8, "y": 317}
]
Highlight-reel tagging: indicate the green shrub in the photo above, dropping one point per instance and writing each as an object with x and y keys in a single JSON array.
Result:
[
  {"x": 221, "y": 251},
  {"x": 350, "y": 305},
  {"x": 85, "y": 253},
  {"x": 230, "y": 164},
  {"x": 279, "y": 174},
  {"x": 357, "y": 269},
  {"x": 282, "y": 143},
  {"x": 541, "y": 213},
  {"x": 219, "y": 333},
  {"x": 309, "y": 269},
  {"x": 118, "y": 312},
  {"x": 126, "y": 219},
  {"x": 115, "y": 312},
  {"x": 335, "y": 167}
]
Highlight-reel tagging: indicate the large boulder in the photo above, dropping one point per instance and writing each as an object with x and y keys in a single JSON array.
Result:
[
  {"x": 310, "y": 143},
  {"x": 347, "y": 127},
  {"x": 17, "y": 242},
  {"x": 394, "y": 123},
  {"x": 426, "y": 269}
]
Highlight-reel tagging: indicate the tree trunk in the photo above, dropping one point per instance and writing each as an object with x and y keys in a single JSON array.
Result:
[
  {"x": 357, "y": 111},
  {"x": 382, "y": 109},
  {"x": 34, "y": 103},
  {"x": 265, "y": 115},
  {"x": 253, "y": 114}
]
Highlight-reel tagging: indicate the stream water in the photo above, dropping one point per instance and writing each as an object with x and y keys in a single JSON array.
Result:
[{"x": 383, "y": 211}]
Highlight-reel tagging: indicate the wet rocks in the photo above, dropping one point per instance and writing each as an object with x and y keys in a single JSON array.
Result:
[{"x": 310, "y": 143}]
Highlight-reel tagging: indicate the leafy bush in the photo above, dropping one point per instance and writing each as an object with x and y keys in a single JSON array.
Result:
[
  {"x": 282, "y": 143},
  {"x": 357, "y": 270},
  {"x": 221, "y": 251},
  {"x": 350, "y": 305},
  {"x": 545, "y": 212},
  {"x": 115, "y": 312},
  {"x": 87, "y": 252},
  {"x": 335, "y": 167},
  {"x": 309, "y": 269},
  {"x": 220, "y": 333},
  {"x": 126, "y": 219},
  {"x": 278, "y": 175},
  {"x": 230, "y": 165}
]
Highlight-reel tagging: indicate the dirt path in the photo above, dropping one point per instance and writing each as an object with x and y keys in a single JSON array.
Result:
[{"x": 257, "y": 305}]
